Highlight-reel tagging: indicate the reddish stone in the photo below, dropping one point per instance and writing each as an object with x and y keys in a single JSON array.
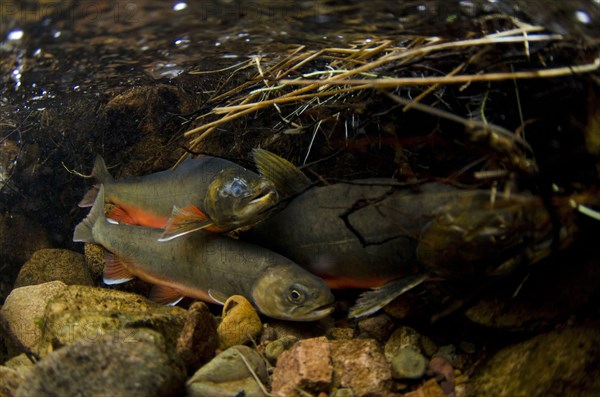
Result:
[
  {"x": 360, "y": 365},
  {"x": 306, "y": 367}
]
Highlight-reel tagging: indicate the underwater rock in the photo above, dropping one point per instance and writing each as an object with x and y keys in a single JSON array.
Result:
[
  {"x": 9, "y": 381},
  {"x": 20, "y": 237},
  {"x": 240, "y": 322},
  {"x": 319, "y": 365},
  {"x": 378, "y": 327},
  {"x": 401, "y": 338},
  {"x": 228, "y": 375},
  {"x": 94, "y": 258},
  {"x": 408, "y": 364},
  {"x": 274, "y": 349},
  {"x": 442, "y": 369},
  {"x": 21, "y": 363},
  {"x": 134, "y": 364},
  {"x": 81, "y": 312},
  {"x": 360, "y": 365},
  {"x": 54, "y": 264},
  {"x": 554, "y": 364},
  {"x": 24, "y": 308},
  {"x": 428, "y": 389},
  {"x": 198, "y": 339},
  {"x": 306, "y": 366},
  {"x": 339, "y": 333}
]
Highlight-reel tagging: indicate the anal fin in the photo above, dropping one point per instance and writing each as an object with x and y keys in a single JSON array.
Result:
[
  {"x": 116, "y": 270},
  {"x": 371, "y": 301},
  {"x": 165, "y": 295},
  {"x": 184, "y": 221},
  {"x": 217, "y": 296}
]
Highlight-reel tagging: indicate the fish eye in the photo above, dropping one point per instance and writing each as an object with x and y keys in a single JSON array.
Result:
[
  {"x": 295, "y": 296},
  {"x": 235, "y": 188}
]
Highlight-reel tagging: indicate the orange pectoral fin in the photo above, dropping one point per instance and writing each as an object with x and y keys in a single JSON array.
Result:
[
  {"x": 185, "y": 220},
  {"x": 131, "y": 215}
]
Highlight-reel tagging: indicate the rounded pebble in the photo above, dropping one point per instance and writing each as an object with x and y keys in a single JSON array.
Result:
[
  {"x": 274, "y": 349},
  {"x": 408, "y": 364},
  {"x": 240, "y": 322}
]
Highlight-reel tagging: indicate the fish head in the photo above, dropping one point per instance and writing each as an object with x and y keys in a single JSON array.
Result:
[
  {"x": 238, "y": 197},
  {"x": 288, "y": 292}
]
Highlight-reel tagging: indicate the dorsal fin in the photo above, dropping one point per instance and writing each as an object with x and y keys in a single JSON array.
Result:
[{"x": 100, "y": 172}]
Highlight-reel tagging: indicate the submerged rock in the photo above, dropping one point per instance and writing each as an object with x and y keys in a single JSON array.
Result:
[
  {"x": 306, "y": 367},
  {"x": 229, "y": 374},
  {"x": 23, "y": 310},
  {"x": 240, "y": 322},
  {"x": 54, "y": 264},
  {"x": 80, "y": 312},
  {"x": 360, "y": 365},
  {"x": 554, "y": 364},
  {"x": 198, "y": 339},
  {"x": 274, "y": 349},
  {"x": 319, "y": 365},
  {"x": 408, "y": 364},
  {"x": 402, "y": 337},
  {"x": 138, "y": 364},
  {"x": 10, "y": 380}
]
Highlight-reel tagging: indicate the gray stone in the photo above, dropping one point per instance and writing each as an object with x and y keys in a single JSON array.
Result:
[
  {"x": 81, "y": 312},
  {"x": 274, "y": 349},
  {"x": 228, "y": 374},
  {"x": 135, "y": 364},
  {"x": 10, "y": 380},
  {"x": 408, "y": 364},
  {"x": 554, "y": 364},
  {"x": 401, "y": 338},
  {"x": 24, "y": 309},
  {"x": 54, "y": 265},
  {"x": 20, "y": 237}
]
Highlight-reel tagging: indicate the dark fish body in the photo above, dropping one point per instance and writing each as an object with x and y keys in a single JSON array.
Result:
[{"x": 364, "y": 234}]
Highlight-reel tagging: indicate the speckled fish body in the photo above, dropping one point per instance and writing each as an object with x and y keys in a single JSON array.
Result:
[
  {"x": 217, "y": 194},
  {"x": 197, "y": 263}
]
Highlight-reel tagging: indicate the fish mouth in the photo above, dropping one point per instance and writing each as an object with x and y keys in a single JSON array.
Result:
[
  {"x": 317, "y": 313},
  {"x": 265, "y": 196}
]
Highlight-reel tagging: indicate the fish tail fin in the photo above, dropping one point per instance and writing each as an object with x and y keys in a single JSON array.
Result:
[
  {"x": 288, "y": 178},
  {"x": 101, "y": 175},
  {"x": 84, "y": 231},
  {"x": 371, "y": 301}
]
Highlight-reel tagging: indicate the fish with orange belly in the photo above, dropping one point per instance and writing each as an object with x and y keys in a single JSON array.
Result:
[
  {"x": 207, "y": 193},
  {"x": 206, "y": 266},
  {"x": 374, "y": 233}
]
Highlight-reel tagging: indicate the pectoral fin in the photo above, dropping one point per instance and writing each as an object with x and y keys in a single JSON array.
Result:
[
  {"x": 165, "y": 295},
  {"x": 217, "y": 296},
  {"x": 183, "y": 221},
  {"x": 371, "y": 301},
  {"x": 287, "y": 178},
  {"x": 121, "y": 216},
  {"x": 116, "y": 270}
]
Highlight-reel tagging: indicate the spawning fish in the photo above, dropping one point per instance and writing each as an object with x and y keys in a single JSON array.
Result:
[
  {"x": 204, "y": 193},
  {"x": 372, "y": 233},
  {"x": 206, "y": 266}
]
